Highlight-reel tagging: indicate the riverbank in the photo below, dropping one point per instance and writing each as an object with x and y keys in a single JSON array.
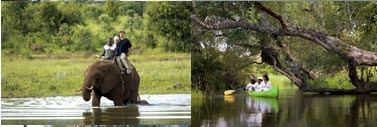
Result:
[{"x": 60, "y": 74}]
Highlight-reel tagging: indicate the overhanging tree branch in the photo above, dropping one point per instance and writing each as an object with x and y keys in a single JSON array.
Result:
[
  {"x": 330, "y": 43},
  {"x": 283, "y": 23}
]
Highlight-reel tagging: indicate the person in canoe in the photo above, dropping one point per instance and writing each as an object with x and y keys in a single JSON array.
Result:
[
  {"x": 258, "y": 85},
  {"x": 251, "y": 86},
  {"x": 266, "y": 84}
]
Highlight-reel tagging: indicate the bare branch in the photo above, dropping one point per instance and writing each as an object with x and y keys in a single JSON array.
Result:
[{"x": 283, "y": 23}]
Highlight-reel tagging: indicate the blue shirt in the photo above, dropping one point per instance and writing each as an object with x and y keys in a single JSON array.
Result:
[{"x": 118, "y": 49}]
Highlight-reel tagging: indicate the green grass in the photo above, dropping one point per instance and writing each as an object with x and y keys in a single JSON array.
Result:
[
  {"x": 339, "y": 80},
  {"x": 61, "y": 74},
  {"x": 197, "y": 94}
]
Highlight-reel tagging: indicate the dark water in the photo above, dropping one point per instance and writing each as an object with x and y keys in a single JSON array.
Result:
[
  {"x": 169, "y": 109},
  {"x": 292, "y": 109}
]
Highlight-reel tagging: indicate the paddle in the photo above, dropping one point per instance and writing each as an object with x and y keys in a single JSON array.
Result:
[{"x": 229, "y": 92}]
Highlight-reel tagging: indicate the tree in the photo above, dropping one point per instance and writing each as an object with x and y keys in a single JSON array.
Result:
[
  {"x": 82, "y": 39},
  {"x": 69, "y": 12},
  {"x": 111, "y": 9},
  {"x": 277, "y": 31},
  {"x": 170, "y": 23}
]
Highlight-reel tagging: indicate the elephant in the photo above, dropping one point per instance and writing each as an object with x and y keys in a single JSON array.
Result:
[{"x": 105, "y": 79}]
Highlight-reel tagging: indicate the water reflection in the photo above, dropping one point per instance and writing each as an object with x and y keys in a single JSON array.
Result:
[
  {"x": 165, "y": 109},
  {"x": 115, "y": 115},
  {"x": 263, "y": 105},
  {"x": 291, "y": 109},
  {"x": 233, "y": 110}
]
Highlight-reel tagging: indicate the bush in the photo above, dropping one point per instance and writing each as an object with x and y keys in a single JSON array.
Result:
[{"x": 82, "y": 39}]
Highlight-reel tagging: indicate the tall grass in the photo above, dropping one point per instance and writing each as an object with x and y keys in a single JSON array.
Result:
[{"x": 61, "y": 74}]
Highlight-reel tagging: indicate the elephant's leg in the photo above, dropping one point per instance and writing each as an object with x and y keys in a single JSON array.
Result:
[
  {"x": 118, "y": 101},
  {"x": 96, "y": 99},
  {"x": 135, "y": 90},
  {"x": 117, "y": 96},
  {"x": 125, "y": 102}
]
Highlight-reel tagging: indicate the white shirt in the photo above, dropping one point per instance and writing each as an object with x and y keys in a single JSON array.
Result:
[
  {"x": 265, "y": 86},
  {"x": 250, "y": 86},
  {"x": 257, "y": 87},
  {"x": 109, "y": 47}
]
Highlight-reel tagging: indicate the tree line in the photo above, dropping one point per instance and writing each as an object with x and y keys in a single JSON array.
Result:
[{"x": 86, "y": 26}]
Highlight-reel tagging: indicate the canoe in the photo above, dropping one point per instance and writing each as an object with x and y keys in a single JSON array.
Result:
[{"x": 274, "y": 92}]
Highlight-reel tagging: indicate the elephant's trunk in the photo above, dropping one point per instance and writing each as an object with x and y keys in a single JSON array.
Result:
[
  {"x": 85, "y": 94},
  {"x": 86, "y": 88}
]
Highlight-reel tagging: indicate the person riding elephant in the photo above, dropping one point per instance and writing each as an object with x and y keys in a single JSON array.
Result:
[
  {"x": 123, "y": 51},
  {"x": 108, "y": 50},
  {"x": 104, "y": 79}
]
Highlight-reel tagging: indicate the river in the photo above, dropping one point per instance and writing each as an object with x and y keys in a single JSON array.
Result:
[
  {"x": 291, "y": 109},
  {"x": 165, "y": 109}
]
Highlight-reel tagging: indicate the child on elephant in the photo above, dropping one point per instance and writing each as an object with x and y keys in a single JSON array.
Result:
[{"x": 118, "y": 52}]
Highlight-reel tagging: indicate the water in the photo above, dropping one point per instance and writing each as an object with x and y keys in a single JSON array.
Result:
[
  {"x": 167, "y": 109},
  {"x": 291, "y": 109}
]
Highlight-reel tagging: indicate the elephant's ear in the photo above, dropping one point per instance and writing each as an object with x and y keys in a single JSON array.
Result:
[{"x": 109, "y": 80}]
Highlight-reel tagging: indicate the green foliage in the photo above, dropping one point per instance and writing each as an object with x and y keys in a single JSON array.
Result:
[
  {"x": 169, "y": 22},
  {"x": 13, "y": 17},
  {"x": 69, "y": 13},
  {"x": 47, "y": 18},
  {"x": 132, "y": 8},
  {"x": 64, "y": 37},
  {"x": 206, "y": 70},
  {"x": 111, "y": 9},
  {"x": 86, "y": 26},
  {"x": 81, "y": 38},
  {"x": 92, "y": 11}
]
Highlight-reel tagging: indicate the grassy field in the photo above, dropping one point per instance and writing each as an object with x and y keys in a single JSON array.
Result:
[{"x": 38, "y": 75}]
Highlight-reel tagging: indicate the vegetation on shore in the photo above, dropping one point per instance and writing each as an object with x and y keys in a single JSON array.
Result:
[{"x": 62, "y": 74}]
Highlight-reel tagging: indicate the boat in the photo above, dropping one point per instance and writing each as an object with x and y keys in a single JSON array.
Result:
[{"x": 274, "y": 92}]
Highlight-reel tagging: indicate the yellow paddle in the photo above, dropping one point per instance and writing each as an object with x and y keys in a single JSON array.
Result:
[{"x": 229, "y": 92}]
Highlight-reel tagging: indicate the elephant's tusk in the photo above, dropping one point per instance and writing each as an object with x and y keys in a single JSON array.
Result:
[
  {"x": 78, "y": 90},
  {"x": 89, "y": 88}
]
